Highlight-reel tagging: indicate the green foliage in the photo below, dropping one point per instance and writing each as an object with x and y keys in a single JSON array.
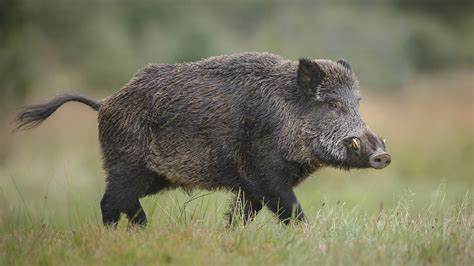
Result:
[
  {"x": 451, "y": 11},
  {"x": 13, "y": 75},
  {"x": 96, "y": 45}
]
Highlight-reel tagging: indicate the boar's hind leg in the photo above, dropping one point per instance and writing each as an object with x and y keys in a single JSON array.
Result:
[
  {"x": 118, "y": 199},
  {"x": 122, "y": 193},
  {"x": 243, "y": 207}
]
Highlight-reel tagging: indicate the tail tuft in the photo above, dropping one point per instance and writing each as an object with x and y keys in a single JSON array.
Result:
[{"x": 33, "y": 115}]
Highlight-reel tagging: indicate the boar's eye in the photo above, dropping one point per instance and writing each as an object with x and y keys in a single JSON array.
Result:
[{"x": 334, "y": 104}]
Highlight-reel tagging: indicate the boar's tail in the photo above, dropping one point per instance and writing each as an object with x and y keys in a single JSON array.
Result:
[{"x": 33, "y": 115}]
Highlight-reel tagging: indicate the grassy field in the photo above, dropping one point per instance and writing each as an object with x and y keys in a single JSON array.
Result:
[{"x": 418, "y": 211}]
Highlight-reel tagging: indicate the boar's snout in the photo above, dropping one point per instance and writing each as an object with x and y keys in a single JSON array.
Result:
[
  {"x": 380, "y": 160},
  {"x": 367, "y": 150}
]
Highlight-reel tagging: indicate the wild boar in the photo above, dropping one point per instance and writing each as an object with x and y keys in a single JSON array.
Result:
[{"x": 252, "y": 123}]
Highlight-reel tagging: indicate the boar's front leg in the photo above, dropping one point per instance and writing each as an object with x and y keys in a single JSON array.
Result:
[
  {"x": 244, "y": 207},
  {"x": 276, "y": 193},
  {"x": 284, "y": 204}
]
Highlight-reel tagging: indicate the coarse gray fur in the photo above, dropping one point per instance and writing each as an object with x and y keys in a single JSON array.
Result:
[{"x": 249, "y": 122}]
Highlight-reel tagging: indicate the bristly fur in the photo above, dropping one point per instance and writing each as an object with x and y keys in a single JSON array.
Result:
[{"x": 252, "y": 123}]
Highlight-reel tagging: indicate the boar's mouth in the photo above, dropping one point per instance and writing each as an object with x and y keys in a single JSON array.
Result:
[
  {"x": 334, "y": 156},
  {"x": 352, "y": 152},
  {"x": 363, "y": 153}
]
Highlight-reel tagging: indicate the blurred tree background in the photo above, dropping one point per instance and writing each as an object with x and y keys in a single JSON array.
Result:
[{"x": 97, "y": 45}]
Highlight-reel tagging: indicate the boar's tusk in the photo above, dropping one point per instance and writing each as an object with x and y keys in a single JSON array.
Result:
[{"x": 355, "y": 144}]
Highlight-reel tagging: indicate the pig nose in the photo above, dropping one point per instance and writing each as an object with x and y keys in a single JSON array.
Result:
[{"x": 380, "y": 160}]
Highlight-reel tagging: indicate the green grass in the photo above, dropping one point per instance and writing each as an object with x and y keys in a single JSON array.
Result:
[
  {"x": 190, "y": 229},
  {"x": 418, "y": 211}
]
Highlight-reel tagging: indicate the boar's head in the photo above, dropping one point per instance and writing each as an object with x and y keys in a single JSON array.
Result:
[{"x": 334, "y": 130}]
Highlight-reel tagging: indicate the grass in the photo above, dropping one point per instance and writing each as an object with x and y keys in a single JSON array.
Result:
[
  {"x": 190, "y": 230},
  {"x": 418, "y": 211}
]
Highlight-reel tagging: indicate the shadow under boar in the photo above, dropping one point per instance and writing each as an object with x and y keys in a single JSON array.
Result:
[{"x": 252, "y": 123}]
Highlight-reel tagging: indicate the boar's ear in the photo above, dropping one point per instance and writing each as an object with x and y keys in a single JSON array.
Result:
[
  {"x": 309, "y": 76},
  {"x": 345, "y": 64}
]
